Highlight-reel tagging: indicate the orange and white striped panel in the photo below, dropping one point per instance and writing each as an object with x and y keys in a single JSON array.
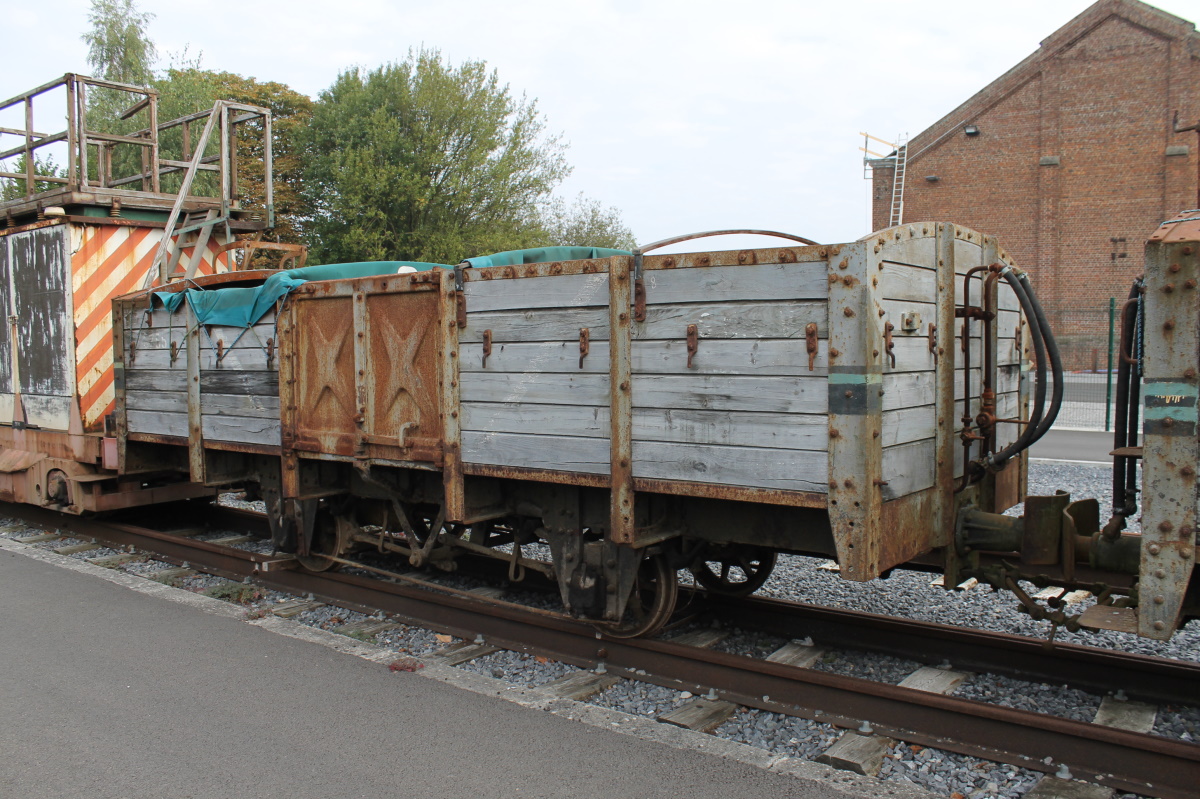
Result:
[{"x": 108, "y": 261}]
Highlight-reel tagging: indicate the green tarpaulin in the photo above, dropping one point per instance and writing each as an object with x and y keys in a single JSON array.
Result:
[
  {"x": 542, "y": 255},
  {"x": 242, "y": 307}
]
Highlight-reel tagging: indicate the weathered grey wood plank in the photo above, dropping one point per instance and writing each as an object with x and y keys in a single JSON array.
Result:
[
  {"x": 253, "y": 406},
  {"x": 907, "y": 389},
  {"x": 792, "y": 470},
  {"x": 908, "y": 468},
  {"x": 157, "y": 423},
  {"x": 796, "y": 470},
  {"x": 734, "y": 428},
  {"x": 263, "y": 383},
  {"x": 155, "y": 380},
  {"x": 556, "y": 453},
  {"x": 899, "y": 281},
  {"x": 799, "y": 281},
  {"x": 733, "y": 393},
  {"x": 908, "y": 424},
  {"x": 171, "y": 401},
  {"x": 696, "y": 392},
  {"x": 555, "y": 389},
  {"x": 780, "y": 319},
  {"x": 580, "y": 685},
  {"x": 551, "y": 291},
  {"x": 240, "y": 429}
]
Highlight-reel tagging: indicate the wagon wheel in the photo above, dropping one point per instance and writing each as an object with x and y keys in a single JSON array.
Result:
[
  {"x": 651, "y": 602},
  {"x": 735, "y": 571},
  {"x": 331, "y": 538}
]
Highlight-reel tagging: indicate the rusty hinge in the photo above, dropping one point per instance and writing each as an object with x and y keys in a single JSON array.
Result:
[
  {"x": 933, "y": 349},
  {"x": 487, "y": 346},
  {"x": 585, "y": 337},
  {"x": 693, "y": 343},
  {"x": 810, "y": 344},
  {"x": 888, "y": 344}
]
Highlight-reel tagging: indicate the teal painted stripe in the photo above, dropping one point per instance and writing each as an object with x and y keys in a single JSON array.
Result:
[
  {"x": 1157, "y": 388},
  {"x": 854, "y": 379},
  {"x": 1180, "y": 413}
]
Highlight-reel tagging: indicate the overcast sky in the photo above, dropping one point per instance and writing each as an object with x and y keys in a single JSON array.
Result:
[{"x": 686, "y": 116}]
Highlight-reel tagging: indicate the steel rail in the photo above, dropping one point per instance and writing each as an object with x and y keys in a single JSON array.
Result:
[
  {"x": 1116, "y": 758},
  {"x": 1143, "y": 677}
]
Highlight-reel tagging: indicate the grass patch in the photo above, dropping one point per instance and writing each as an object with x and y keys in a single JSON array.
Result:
[{"x": 239, "y": 593}]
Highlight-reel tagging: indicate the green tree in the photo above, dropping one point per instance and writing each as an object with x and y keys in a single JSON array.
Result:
[
  {"x": 186, "y": 89},
  {"x": 422, "y": 160},
  {"x": 585, "y": 223},
  {"x": 14, "y": 189},
  {"x": 119, "y": 48}
]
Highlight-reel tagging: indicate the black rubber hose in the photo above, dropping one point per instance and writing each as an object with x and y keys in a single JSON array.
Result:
[
  {"x": 1039, "y": 399},
  {"x": 1056, "y": 366},
  {"x": 1121, "y": 423},
  {"x": 1135, "y": 402}
]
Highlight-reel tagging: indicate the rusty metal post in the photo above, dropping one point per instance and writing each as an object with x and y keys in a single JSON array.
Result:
[
  {"x": 363, "y": 383},
  {"x": 195, "y": 419},
  {"x": 620, "y": 369},
  {"x": 448, "y": 379},
  {"x": 1170, "y": 444},
  {"x": 855, "y": 390},
  {"x": 286, "y": 325}
]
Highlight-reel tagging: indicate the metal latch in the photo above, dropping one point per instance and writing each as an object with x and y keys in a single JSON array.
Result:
[
  {"x": 487, "y": 346},
  {"x": 810, "y": 344},
  {"x": 639, "y": 288},
  {"x": 933, "y": 348},
  {"x": 888, "y": 343},
  {"x": 693, "y": 343},
  {"x": 585, "y": 337}
]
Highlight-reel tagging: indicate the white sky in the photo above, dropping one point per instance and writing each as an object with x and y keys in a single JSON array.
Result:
[{"x": 686, "y": 116}]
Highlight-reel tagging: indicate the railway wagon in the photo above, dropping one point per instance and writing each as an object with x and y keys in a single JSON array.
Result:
[
  {"x": 71, "y": 242},
  {"x": 638, "y": 413}
]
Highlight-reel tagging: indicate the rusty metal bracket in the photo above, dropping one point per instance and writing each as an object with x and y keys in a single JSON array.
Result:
[
  {"x": 460, "y": 297},
  {"x": 174, "y": 352},
  {"x": 585, "y": 337},
  {"x": 888, "y": 343},
  {"x": 693, "y": 343},
  {"x": 487, "y": 346},
  {"x": 270, "y": 353},
  {"x": 133, "y": 351},
  {"x": 220, "y": 349},
  {"x": 639, "y": 288},
  {"x": 810, "y": 344},
  {"x": 965, "y": 341},
  {"x": 933, "y": 349},
  {"x": 1019, "y": 335}
]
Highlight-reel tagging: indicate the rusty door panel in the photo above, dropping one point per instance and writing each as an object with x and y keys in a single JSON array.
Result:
[
  {"x": 324, "y": 352},
  {"x": 403, "y": 421},
  {"x": 367, "y": 375}
]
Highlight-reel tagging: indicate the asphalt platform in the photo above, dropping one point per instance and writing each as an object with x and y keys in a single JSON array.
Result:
[{"x": 109, "y": 690}]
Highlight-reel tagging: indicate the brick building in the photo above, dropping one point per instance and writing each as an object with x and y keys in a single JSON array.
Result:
[{"x": 1071, "y": 158}]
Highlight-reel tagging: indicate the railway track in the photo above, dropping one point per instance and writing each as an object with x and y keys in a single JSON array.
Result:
[{"x": 1117, "y": 758}]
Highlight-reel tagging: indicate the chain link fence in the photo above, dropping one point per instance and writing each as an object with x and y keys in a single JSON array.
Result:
[{"x": 1088, "y": 339}]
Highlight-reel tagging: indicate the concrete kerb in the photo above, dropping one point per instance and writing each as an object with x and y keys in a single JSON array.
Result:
[{"x": 852, "y": 786}]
